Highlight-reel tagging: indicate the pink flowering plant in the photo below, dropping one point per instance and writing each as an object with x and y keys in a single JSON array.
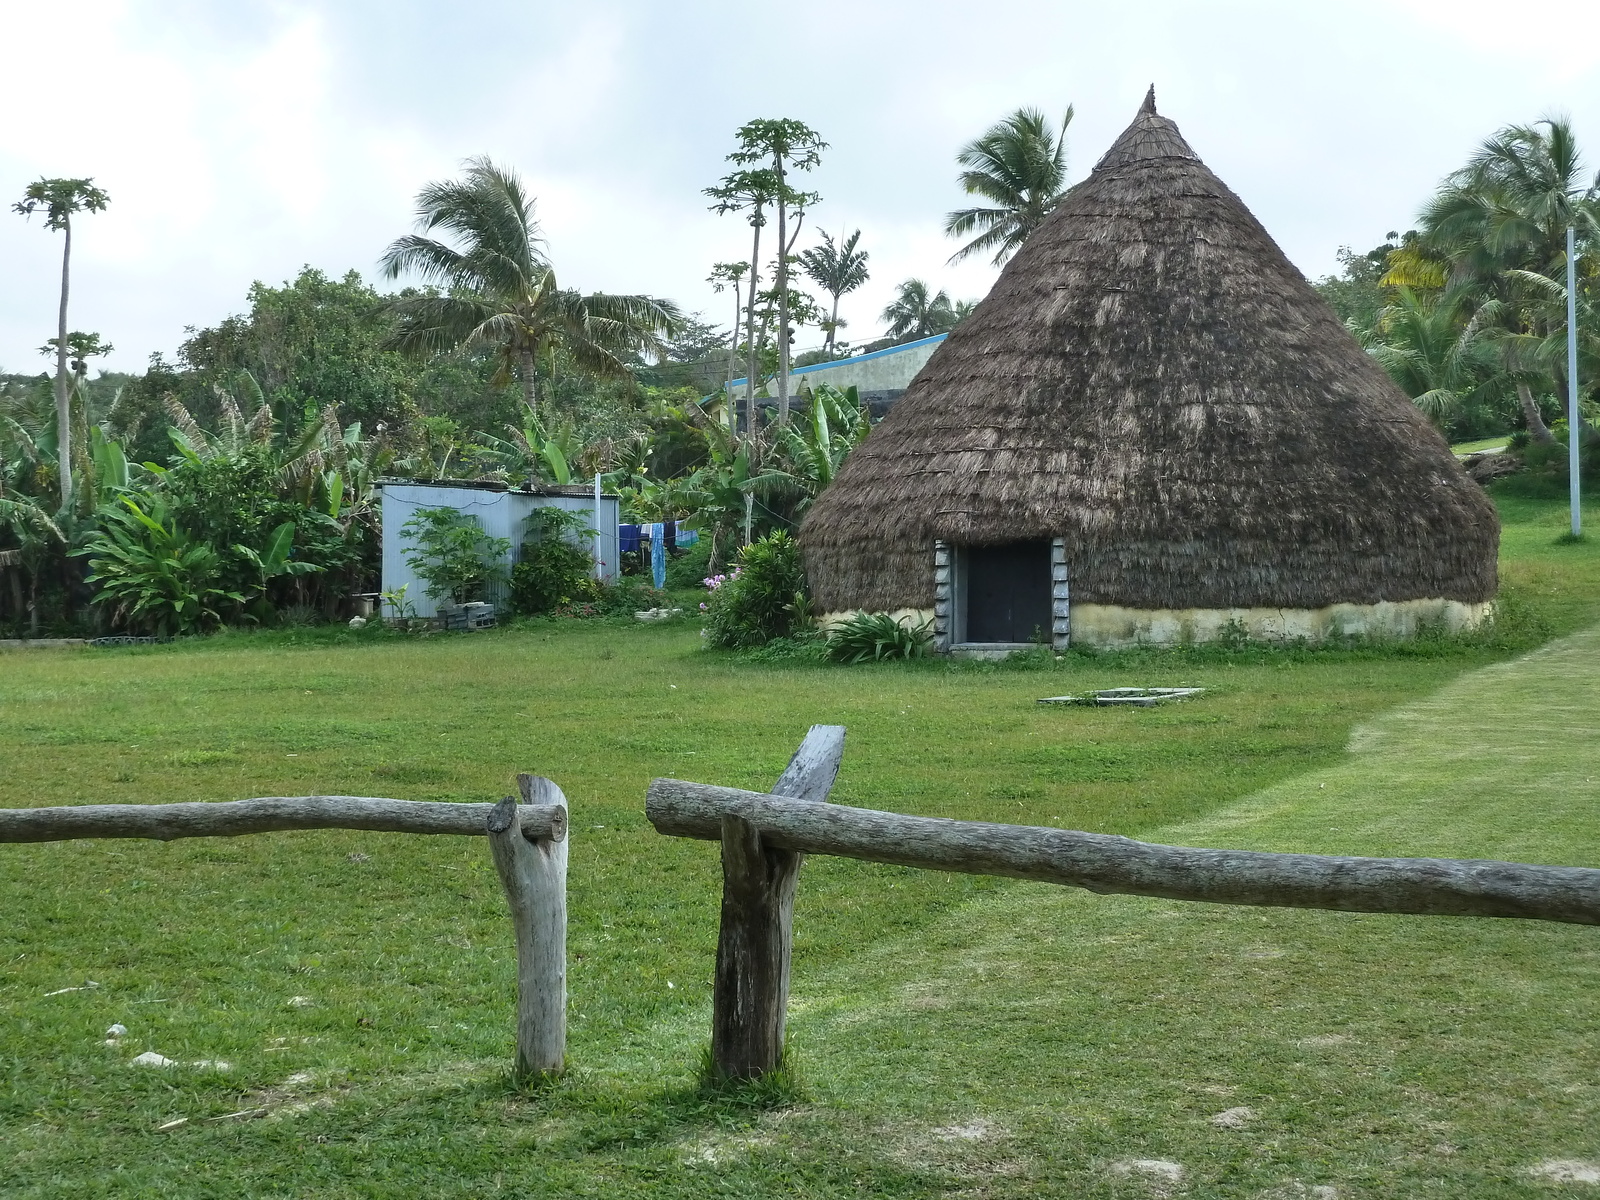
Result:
[
  {"x": 762, "y": 598},
  {"x": 713, "y": 582}
]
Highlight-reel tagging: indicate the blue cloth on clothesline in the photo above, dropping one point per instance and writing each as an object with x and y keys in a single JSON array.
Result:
[
  {"x": 627, "y": 539},
  {"x": 658, "y": 554},
  {"x": 687, "y": 537}
]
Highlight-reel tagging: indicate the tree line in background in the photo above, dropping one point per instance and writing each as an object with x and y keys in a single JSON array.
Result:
[
  {"x": 1468, "y": 312},
  {"x": 235, "y": 484}
]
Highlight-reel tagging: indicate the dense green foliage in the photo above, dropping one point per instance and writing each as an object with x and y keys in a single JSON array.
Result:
[
  {"x": 152, "y": 574},
  {"x": 554, "y": 568},
  {"x": 1468, "y": 312},
  {"x": 762, "y": 598},
  {"x": 874, "y": 637}
]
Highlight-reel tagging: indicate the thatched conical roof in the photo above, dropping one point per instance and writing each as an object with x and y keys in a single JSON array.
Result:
[{"x": 1152, "y": 380}]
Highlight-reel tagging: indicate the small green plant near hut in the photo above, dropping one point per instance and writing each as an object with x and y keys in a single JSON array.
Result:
[
  {"x": 453, "y": 555},
  {"x": 761, "y": 599},
  {"x": 874, "y": 637}
]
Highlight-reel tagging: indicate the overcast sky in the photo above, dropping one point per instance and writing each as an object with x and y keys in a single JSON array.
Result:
[{"x": 240, "y": 141}]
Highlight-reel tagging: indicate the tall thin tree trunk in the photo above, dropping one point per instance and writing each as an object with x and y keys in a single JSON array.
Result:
[
  {"x": 63, "y": 395},
  {"x": 749, "y": 328},
  {"x": 733, "y": 354},
  {"x": 530, "y": 395},
  {"x": 783, "y": 294},
  {"x": 1537, "y": 429},
  {"x": 833, "y": 323}
]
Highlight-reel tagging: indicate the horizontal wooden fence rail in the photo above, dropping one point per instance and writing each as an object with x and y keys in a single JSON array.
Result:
[
  {"x": 1103, "y": 863},
  {"x": 266, "y": 814},
  {"x": 528, "y": 842},
  {"x": 764, "y": 838}
]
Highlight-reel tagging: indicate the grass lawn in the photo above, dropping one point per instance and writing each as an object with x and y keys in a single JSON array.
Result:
[
  {"x": 1497, "y": 442},
  {"x": 954, "y": 1035}
]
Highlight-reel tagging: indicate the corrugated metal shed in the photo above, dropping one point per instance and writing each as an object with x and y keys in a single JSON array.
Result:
[{"x": 502, "y": 511}]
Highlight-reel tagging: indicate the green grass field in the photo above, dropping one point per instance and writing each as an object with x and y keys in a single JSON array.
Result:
[{"x": 953, "y": 1036}]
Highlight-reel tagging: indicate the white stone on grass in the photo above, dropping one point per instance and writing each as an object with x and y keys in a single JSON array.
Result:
[
  {"x": 1161, "y": 1174},
  {"x": 1234, "y": 1118},
  {"x": 1566, "y": 1170},
  {"x": 117, "y": 1031},
  {"x": 151, "y": 1059}
]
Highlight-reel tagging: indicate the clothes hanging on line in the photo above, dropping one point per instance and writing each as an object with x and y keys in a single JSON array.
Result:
[{"x": 658, "y": 554}]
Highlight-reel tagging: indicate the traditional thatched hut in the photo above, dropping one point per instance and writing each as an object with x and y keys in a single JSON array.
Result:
[{"x": 1153, "y": 429}]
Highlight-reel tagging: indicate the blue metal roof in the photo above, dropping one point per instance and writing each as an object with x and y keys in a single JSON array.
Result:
[{"x": 840, "y": 362}]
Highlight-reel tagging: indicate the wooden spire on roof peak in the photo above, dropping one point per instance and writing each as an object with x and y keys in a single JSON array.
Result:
[{"x": 1150, "y": 136}]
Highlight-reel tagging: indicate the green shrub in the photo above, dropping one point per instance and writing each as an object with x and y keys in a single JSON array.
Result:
[
  {"x": 763, "y": 597},
  {"x": 451, "y": 553},
  {"x": 554, "y": 570},
  {"x": 690, "y": 568},
  {"x": 865, "y": 636},
  {"x": 1545, "y": 463},
  {"x": 152, "y": 575}
]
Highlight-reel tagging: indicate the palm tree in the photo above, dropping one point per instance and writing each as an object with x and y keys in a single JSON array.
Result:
[
  {"x": 838, "y": 268},
  {"x": 499, "y": 290},
  {"x": 1441, "y": 362},
  {"x": 1020, "y": 166},
  {"x": 1502, "y": 219},
  {"x": 58, "y": 199},
  {"x": 917, "y": 314}
]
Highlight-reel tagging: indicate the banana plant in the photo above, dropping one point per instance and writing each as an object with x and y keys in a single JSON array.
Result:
[
  {"x": 531, "y": 452},
  {"x": 275, "y": 558},
  {"x": 150, "y": 573}
]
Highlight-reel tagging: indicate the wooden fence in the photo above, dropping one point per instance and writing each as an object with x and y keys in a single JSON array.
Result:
[
  {"x": 527, "y": 840},
  {"x": 765, "y": 836}
]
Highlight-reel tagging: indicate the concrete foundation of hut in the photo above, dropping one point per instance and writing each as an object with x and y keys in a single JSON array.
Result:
[
  {"x": 1110, "y": 626},
  {"x": 1113, "y": 627},
  {"x": 911, "y": 618}
]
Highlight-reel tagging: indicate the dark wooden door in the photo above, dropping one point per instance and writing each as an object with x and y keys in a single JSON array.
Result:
[{"x": 1008, "y": 592}]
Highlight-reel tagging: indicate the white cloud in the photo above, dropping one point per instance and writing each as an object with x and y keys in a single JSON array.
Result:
[{"x": 241, "y": 141}]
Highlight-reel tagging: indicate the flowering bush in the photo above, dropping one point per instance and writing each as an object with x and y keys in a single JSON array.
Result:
[
  {"x": 713, "y": 582},
  {"x": 762, "y": 598}
]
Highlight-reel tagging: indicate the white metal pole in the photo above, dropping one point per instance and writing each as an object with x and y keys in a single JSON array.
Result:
[
  {"x": 599, "y": 563},
  {"x": 1573, "y": 425}
]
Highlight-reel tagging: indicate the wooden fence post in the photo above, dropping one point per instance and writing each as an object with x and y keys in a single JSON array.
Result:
[
  {"x": 534, "y": 875},
  {"x": 751, "y": 994}
]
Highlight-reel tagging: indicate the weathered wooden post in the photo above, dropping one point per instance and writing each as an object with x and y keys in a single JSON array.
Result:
[
  {"x": 751, "y": 995},
  {"x": 533, "y": 872}
]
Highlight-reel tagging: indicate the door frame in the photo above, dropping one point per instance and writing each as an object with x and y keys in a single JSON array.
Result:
[{"x": 950, "y": 600}]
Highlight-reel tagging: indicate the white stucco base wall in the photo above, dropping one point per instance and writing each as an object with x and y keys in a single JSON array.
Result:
[
  {"x": 1111, "y": 625},
  {"x": 911, "y": 617}
]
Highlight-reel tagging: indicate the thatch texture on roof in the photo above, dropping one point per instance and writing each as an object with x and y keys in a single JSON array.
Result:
[{"x": 1152, "y": 380}]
